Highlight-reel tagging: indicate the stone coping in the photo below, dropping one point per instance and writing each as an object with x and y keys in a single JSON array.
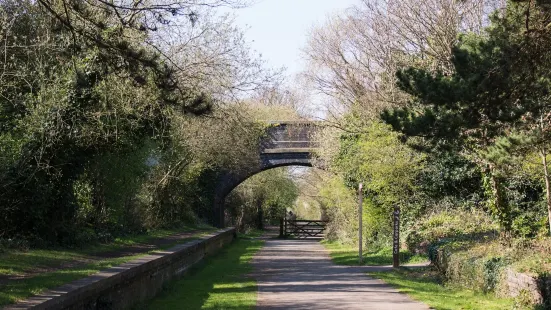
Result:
[
  {"x": 295, "y": 122},
  {"x": 67, "y": 295},
  {"x": 288, "y": 150}
]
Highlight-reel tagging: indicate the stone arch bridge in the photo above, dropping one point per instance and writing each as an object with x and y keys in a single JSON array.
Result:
[{"x": 287, "y": 143}]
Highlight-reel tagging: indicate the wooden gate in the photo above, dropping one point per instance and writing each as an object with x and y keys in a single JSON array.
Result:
[{"x": 304, "y": 228}]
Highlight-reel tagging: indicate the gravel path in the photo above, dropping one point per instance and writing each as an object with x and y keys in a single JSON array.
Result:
[{"x": 298, "y": 274}]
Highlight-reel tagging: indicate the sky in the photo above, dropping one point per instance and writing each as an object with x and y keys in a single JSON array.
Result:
[{"x": 278, "y": 29}]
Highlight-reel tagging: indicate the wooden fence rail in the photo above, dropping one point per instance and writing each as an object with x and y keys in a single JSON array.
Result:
[{"x": 302, "y": 228}]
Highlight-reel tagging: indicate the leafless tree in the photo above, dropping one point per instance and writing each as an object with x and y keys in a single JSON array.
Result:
[
  {"x": 353, "y": 57},
  {"x": 204, "y": 48}
]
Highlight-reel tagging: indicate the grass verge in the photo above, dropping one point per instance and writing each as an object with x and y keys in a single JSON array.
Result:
[
  {"x": 220, "y": 282},
  {"x": 424, "y": 285},
  {"x": 44, "y": 269},
  {"x": 348, "y": 255}
]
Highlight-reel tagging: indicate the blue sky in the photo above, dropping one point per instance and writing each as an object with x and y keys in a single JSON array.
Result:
[{"x": 278, "y": 29}]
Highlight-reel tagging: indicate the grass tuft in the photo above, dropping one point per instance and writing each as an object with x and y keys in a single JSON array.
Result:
[{"x": 220, "y": 282}]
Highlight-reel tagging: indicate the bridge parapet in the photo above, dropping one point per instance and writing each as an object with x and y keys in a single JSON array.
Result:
[
  {"x": 287, "y": 143},
  {"x": 290, "y": 137}
]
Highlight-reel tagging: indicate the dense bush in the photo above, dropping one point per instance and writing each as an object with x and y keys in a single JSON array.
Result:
[
  {"x": 450, "y": 227},
  {"x": 103, "y": 130}
]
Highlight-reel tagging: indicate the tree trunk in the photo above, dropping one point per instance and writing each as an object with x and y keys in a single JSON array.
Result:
[
  {"x": 499, "y": 202},
  {"x": 260, "y": 214},
  {"x": 547, "y": 185}
]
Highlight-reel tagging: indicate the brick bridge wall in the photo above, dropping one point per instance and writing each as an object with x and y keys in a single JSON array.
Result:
[
  {"x": 289, "y": 135},
  {"x": 287, "y": 143}
]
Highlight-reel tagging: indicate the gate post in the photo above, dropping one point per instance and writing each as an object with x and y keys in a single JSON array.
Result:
[{"x": 281, "y": 227}]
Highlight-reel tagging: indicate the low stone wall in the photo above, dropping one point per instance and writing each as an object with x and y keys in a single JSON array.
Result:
[
  {"x": 535, "y": 290},
  {"x": 131, "y": 283},
  {"x": 517, "y": 283}
]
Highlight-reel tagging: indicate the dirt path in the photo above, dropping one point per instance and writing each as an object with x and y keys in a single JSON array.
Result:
[{"x": 298, "y": 274}]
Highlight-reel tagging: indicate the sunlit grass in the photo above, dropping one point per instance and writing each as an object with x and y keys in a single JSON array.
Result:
[
  {"x": 348, "y": 255},
  {"x": 423, "y": 285},
  {"x": 77, "y": 263},
  {"x": 16, "y": 290},
  {"x": 220, "y": 282}
]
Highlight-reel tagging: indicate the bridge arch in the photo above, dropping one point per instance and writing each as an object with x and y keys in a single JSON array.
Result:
[{"x": 287, "y": 143}]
